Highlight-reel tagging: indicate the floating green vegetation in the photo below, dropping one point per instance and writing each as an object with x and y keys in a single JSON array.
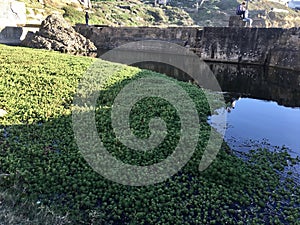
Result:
[{"x": 38, "y": 152}]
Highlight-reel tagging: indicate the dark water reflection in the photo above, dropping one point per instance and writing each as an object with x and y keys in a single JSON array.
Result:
[{"x": 279, "y": 85}]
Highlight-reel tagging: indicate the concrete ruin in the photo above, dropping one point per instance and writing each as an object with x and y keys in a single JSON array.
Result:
[{"x": 262, "y": 46}]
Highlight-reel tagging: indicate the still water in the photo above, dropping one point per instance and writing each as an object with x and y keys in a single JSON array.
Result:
[
  {"x": 262, "y": 122},
  {"x": 266, "y": 102}
]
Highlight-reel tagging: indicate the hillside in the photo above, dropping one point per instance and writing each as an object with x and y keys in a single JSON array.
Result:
[
  {"x": 128, "y": 13},
  {"x": 142, "y": 13},
  {"x": 268, "y": 13}
]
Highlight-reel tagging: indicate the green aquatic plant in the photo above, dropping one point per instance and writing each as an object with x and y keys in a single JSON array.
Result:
[{"x": 37, "y": 149}]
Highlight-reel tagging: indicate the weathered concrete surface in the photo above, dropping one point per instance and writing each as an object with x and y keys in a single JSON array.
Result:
[
  {"x": 12, "y": 20},
  {"x": 111, "y": 37},
  {"x": 11, "y": 35},
  {"x": 286, "y": 51},
  {"x": 264, "y": 46},
  {"x": 12, "y": 13},
  {"x": 56, "y": 34},
  {"x": 238, "y": 45},
  {"x": 14, "y": 35}
]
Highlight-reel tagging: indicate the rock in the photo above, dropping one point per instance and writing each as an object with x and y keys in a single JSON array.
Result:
[
  {"x": 272, "y": 15},
  {"x": 56, "y": 34},
  {"x": 2, "y": 112},
  {"x": 86, "y": 3},
  {"x": 236, "y": 21}
]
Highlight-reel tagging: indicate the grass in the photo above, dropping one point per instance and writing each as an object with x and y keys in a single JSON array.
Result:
[
  {"x": 44, "y": 165},
  {"x": 73, "y": 15}
]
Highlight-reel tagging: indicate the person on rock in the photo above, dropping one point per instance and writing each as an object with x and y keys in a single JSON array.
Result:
[{"x": 243, "y": 12}]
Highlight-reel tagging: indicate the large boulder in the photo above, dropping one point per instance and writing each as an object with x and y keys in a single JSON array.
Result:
[{"x": 56, "y": 34}]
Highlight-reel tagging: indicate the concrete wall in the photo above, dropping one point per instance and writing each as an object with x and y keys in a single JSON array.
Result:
[
  {"x": 111, "y": 37},
  {"x": 264, "y": 46},
  {"x": 12, "y": 13},
  {"x": 14, "y": 35}
]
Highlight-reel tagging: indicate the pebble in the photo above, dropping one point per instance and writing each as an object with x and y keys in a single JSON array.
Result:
[{"x": 2, "y": 112}]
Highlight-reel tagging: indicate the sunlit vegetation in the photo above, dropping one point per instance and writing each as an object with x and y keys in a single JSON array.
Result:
[{"x": 176, "y": 12}]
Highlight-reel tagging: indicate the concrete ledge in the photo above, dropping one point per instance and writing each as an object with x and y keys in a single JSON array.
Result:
[{"x": 32, "y": 25}]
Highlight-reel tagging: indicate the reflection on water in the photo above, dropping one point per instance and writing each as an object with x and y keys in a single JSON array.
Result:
[
  {"x": 263, "y": 104},
  {"x": 281, "y": 86},
  {"x": 269, "y": 107},
  {"x": 263, "y": 121},
  {"x": 164, "y": 69}
]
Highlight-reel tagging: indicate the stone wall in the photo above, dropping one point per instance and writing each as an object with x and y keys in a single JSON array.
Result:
[
  {"x": 111, "y": 37},
  {"x": 286, "y": 50},
  {"x": 14, "y": 35},
  {"x": 236, "y": 21},
  {"x": 264, "y": 46}
]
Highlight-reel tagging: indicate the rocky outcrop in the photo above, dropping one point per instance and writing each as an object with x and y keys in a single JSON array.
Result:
[{"x": 56, "y": 34}]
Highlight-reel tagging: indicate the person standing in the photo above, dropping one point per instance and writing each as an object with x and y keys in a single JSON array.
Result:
[
  {"x": 87, "y": 17},
  {"x": 242, "y": 10}
]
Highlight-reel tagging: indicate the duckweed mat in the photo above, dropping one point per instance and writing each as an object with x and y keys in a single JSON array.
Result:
[{"x": 38, "y": 153}]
